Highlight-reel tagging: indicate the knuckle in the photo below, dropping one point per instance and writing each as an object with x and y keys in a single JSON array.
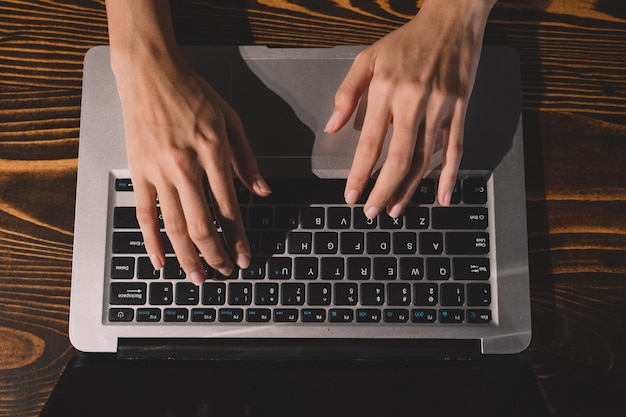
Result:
[
  {"x": 200, "y": 232},
  {"x": 146, "y": 216},
  {"x": 399, "y": 163}
]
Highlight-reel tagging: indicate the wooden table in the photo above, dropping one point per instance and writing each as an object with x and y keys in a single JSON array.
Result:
[{"x": 574, "y": 98}]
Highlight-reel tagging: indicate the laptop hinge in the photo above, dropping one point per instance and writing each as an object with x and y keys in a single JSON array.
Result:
[{"x": 297, "y": 349}]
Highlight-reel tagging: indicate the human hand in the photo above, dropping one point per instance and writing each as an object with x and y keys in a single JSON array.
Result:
[
  {"x": 418, "y": 79},
  {"x": 179, "y": 134}
]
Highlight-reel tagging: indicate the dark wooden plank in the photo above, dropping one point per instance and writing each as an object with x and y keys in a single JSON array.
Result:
[{"x": 574, "y": 97}]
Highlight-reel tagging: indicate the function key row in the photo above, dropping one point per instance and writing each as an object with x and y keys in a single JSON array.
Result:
[{"x": 308, "y": 315}]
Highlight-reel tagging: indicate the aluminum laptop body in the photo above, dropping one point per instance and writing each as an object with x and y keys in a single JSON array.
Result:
[{"x": 284, "y": 98}]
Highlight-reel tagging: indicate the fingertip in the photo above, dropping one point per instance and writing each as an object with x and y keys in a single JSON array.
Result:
[
  {"x": 331, "y": 125},
  {"x": 352, "y": 197},
  {"x": 260, "y": 187},
  {"x": 243, "y": 260},
  {"x": 445, "y": 198},
  {"x": 198, "y": 277}
]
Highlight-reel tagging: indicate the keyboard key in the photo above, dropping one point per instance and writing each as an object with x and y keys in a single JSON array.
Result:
[
  {"x": 319, "y": 294},
  {"x": 387, "y": 222},
  {"x": 372, "y": 294},
  {"x": 121, "y": 314},
  {"x": 306, "y": 268},
  {"x": 161, "y": 293},
  {"x": 203, "y": 315},
  {"x": 339, "y": 217},
  {"x": 361, "y": 221},
  {"x": 478, "y": 316},
  {"x": 340, "y": 315},
  {"x": 471, "y": 268},
  {"x": 378, "y": 243},
  {"x": 385, "y": 268},
  {"x": 467, "y": 243},
  {"x": 313, "y": 218},
  {"x": 359, "y": 268},
  {"x": 452, "y": 295},
  {"x": 256, "y": 269},
  {"x": 279, "y": 268},
  {"x": 261, "y": 217},
  {"x": 326, "y": 243},
  {"x": 149, "y": 315},
  {"x": 451, "y": 316},
  {"x": 425, "y": 294},
  {"x": 177, "y": 315},
  {"x": 396, "y": 315},
  {"x": 286, "y": 315},
  {"x": 478, "y": 295},
  {"x": 352, "y": 243},
  {"x": 273, "y": 243},
  {"x": 266, "y": 293},
  {"x": 368, "y": 315},
  {"x": 122, "y": 267},
  {"x": 123, "y": 184},
  {"x": 332, "y": 268},
  {"x": 187, "y": 293},
  {"x": 230, "y": 315},
  {"x": 470, "y": 218},
  {"x": 313, "y": 315},
  {"x": 423, "y": 316},
  {"x": 411, "y": 268},
  {"x": 213, "y": 293},
  {"x": 172, "y": 269},
  {"x": 404, "y": 243},
  {"x": 438, "y": 268},
  {"x": 287, "y": 217},
  {"x": 292, "y": 294},
  {"x": 145, "y": 270},
  {"x": 300, "y": 243},
  {"x": 346, "y": 294},
  {"x": 258, "y": 315},
  {"x": 399, "y": 294},
  {"x": 128, "y": 294},
  {"x": 425, "y": 192},
  {"x": 417, "y": 217},
  {"x": 239, "y": 293},
  {"x": 474, "y": 191},
  {"x": 431, "y": 243},
  {"x": 125, "y": 218},
  {"x": 455, "y": 198}
]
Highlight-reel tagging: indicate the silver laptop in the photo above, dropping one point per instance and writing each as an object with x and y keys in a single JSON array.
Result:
[{"x": 324, "y": 282}]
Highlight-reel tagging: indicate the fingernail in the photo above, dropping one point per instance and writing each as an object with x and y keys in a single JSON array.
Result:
[
  {"x": 331, "y": 122},
  {"x": 352, "y": 197},
  {"x": 260, "y": 186},
  {"x": 156, "y": 261},
  {"x": 372, "y": 212},
  {"x": 243, "y": 260},
  {"x": 226, "y": 271},
  {"x": 396, "y": 211},
  {"x": 446, "y": 199},
  {"x": 197, "y": 277}
]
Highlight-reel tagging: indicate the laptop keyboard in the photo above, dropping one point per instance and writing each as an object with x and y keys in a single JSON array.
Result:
[{"x": 316, "y": 260}]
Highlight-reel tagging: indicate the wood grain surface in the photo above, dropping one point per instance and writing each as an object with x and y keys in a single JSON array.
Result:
[{"x": 574, "y": 97}]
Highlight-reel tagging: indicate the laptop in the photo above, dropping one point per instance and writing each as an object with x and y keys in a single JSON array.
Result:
[{"x": 324, "y": 283}]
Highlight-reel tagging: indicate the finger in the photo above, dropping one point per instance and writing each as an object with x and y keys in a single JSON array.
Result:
[
  {"x": 452, "y": 154},
  {"x": 368, "y": 149},
  {"x": 400, "y": 156},
  {"x": 226, "y": 207},
  {"x": 350, "y": 91},
  {"x": 243, "y": 159},
  {"x": 147, "y": 217},
  {"x": 176, "y": 227}
]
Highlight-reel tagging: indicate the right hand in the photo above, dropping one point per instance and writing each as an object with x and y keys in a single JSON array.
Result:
[{"x": 180, "y": 133}]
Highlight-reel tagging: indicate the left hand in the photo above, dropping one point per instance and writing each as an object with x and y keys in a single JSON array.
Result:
[{"x": 418, "y": 79}]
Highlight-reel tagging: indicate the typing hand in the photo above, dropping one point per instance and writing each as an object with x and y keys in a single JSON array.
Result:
[
  {"x": 179, "y": 133},
  {"x": 418, "y": 79}
]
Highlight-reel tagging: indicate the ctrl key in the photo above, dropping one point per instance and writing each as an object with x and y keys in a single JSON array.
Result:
[{"x": 121, "y": 314}]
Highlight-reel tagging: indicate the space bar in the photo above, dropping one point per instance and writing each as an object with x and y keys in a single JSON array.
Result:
[{"x": 304, "y": 191}]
